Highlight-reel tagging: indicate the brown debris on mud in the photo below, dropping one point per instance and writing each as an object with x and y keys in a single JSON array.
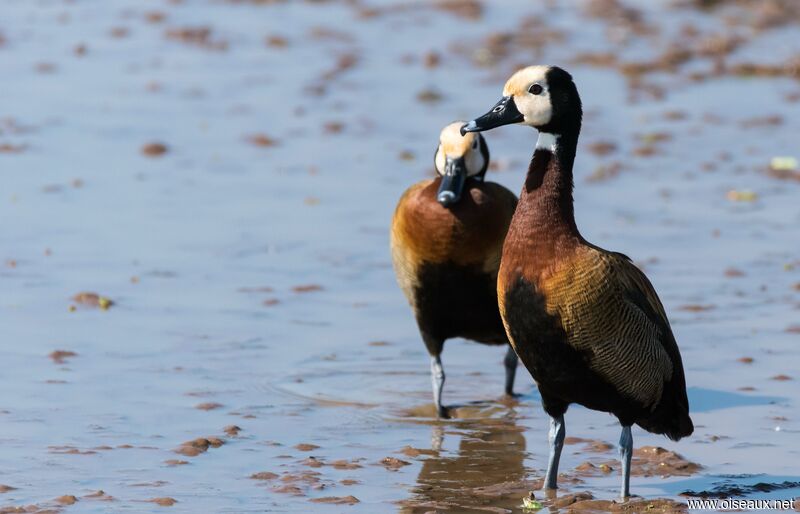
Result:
[
  {"x": 61, "y": 356},
  {"x": 300, "y": 482},
  {"x": 307, "y": 288},
  {"x": 468, "y": 9},
  {"x": 647, "y": 461},
  {"x": 393, "y": 463},
  {"x": 197, "y": 446},
  {"x": 200, "y": 36},
  {"x": 163, "y": 501},
  {"x": 345, "y": 464},
  {"x": 590, "y": 445},
  {"x": 656, "y": 461},
  {"x": 410, "y": 451},
  {"x": 154, "y": 149},
  {"x": 208, "y": 406},
  {"x": 264, "y": 475},
  {"x": 264, "y": 141},
  {"x": 94, "y": 300},
  {"x": 67, "y": 499},
  {"x": 99, "y": 495},
  {"x": 232, "y": 430},
  {"x": 336, "y": 500},
  {"x": 69, "y": 450},
  {"x": 632, "y": 506}
]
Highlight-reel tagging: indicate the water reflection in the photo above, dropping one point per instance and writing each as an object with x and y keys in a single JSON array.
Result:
[{"x": 488, "y": 469}]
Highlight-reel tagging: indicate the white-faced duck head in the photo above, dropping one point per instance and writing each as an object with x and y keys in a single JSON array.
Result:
[
  {"x": 543, "y": 97},
  {"x": 458, "y": 157}
]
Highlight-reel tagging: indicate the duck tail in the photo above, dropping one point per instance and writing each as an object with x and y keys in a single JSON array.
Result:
[{"x": 671, "y": 415}]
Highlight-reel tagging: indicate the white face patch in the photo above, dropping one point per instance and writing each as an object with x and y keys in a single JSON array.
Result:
[
  {"x": 474, "y": 160},
  {"x": 452, "y": 145},
  {"x": 439, "y": 160},
  {"x": 536, "y": 109}
]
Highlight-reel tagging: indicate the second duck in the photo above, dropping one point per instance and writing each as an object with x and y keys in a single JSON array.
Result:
[{"x": 447, "y": 237}]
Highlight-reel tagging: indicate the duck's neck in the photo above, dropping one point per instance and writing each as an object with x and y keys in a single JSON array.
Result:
[{"x": 546, "y": 199}]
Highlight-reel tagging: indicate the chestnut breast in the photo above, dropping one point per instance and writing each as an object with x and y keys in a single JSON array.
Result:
[{"x": 467, "y": 233}]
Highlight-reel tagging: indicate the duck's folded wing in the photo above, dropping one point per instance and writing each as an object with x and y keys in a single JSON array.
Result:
[{"x": 615, "y": 318}]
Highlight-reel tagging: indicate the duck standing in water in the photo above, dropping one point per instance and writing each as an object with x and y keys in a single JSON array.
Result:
[
  {"x": 447, "y": 237},
  {"x": 585, "y": 321}
]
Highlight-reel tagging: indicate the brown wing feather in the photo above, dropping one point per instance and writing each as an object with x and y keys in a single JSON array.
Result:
[
  {"x": 642, "y": 294},
  {"x": 610, "y": 311}
]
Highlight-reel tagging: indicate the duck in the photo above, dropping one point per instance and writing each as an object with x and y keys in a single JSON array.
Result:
[
  {"x": 446, "y": 240},
  {"x": 586, "y": 322}
]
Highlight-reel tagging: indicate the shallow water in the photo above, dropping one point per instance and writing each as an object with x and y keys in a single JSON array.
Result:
[{"x": 210, "y": 251}]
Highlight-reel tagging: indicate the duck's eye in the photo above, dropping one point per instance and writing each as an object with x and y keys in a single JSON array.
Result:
[{"x": 535, "y": 89}]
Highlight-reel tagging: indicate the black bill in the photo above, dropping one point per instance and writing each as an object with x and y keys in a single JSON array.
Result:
[
  {"x": 455, "y": 175},
  {"x": 505, "y": 112}
]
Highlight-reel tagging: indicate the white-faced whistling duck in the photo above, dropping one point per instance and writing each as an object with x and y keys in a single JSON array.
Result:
[
  {"x": 447, "y": 237},
  {"x": 585, "y": 321}
]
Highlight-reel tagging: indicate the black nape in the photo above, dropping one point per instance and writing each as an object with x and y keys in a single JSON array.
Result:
[{"x": 566, "y": 104}]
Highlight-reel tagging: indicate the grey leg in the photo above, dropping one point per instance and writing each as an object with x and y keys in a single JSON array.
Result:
[
  {"x": 510, "y": 363},
  {"x": 437, "y": 380},
  {"x": 556, "y": 438},
  {"x": 625, "y": 453}
]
